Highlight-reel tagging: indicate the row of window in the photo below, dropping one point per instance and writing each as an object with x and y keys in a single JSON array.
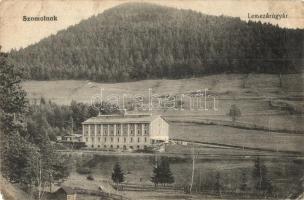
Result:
[
  {"x": 117, "y": 146},
  {"x": 121, "y": 129},
  {"x": 99, "y": 139}
]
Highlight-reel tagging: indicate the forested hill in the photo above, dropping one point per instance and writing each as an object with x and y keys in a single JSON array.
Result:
[{"x": 142, "y": 41}]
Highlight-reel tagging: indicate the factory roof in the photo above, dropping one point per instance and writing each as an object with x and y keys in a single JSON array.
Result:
[{"x": 123, "y": 118}]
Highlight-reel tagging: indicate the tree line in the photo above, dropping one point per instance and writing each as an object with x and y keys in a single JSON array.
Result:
[
  {"x": 58, "y": 120},
  {"x": 28, "y": 155},
  {"x": 260, "y": 182},
  {"x": 253, "y": 183},
  {"x": 144, "y": 41},
  {"x": 27, "y": 158}
]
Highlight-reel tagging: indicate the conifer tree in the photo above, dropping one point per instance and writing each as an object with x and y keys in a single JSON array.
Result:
[
  {"x": 260, "y": 175},
  {"x": 234, "y": 112},
  {"x": 217, "y": 185},
  {"x": 156, "y": 176},
  {"x": 243, "y": 186},
  {"x": 162, "y": 173},
  {"x": 117, "y": 174},
  {"x": 166, "y": 175}
]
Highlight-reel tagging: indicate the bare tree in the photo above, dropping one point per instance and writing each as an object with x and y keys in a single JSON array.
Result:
[{"x": 194, "y": 156}]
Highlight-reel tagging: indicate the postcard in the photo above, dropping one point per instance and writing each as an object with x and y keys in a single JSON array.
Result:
[{"x": 151, "y": 99}]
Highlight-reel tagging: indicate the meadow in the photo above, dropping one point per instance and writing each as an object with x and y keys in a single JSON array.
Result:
[
  {"x": 237, "y": 137},
  {"x": 267, "y": 125},
  {"x": 224, "y": 86},
  {"x": 283, "y": 173}
]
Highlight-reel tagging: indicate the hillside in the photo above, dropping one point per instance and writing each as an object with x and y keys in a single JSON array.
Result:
[
  {"x": 10, "y": 191},
  {"x": 143, "y": 41},
  {"x": 251, "y": 93}
]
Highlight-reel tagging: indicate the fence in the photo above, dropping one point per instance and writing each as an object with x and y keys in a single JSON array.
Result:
[
  {"x": 142, "y": 187},
  {"x": 102, "y": 195},
  {"x": 227, "y": 193}
]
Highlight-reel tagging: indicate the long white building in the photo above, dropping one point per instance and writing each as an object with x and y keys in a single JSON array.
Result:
[{"x": 127, "y": 131}]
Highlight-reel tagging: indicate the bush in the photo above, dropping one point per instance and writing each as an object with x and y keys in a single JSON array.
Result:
[
  {"x": 145, "y": 150},
  {"x": 90, "y": 177},
  {"x": 83, "y": 170}
]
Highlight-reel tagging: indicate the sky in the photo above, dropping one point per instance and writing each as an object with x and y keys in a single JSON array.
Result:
[{"x": 15, "y": 33}]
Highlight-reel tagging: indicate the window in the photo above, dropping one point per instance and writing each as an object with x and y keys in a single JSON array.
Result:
[
  {"x": 92, "y": 129},
  {"x": 111, "y": 129},
  {"x": 138, "y": 139},
  {"x": 145, "y": 139},
  {"x": 98, "y": 139},
  {"x": 98, "y": 146},
  {"x": 125, "y": 129},
  {"x": 132, "y": 129},
  {"x": 125, "y": 139},
  {"x": 117, "y": 139},
  {"x": 139, "y": 129},
  {"x": 105, "y": 146},
  {"x": 131, "y": 139},
  {"x": 117, "y": 146},
  {"x": 118, "y": 128},
  {"x": 87, "y": 139},
  {"x": 105, "y": 129},
  {"x": 105, "y": 139},
  {"x": 111, "y": 139},
  {"x": 86, "y": 129},
  {"x": 146, "y": 129},
  {"x": 100, "y": 129}
]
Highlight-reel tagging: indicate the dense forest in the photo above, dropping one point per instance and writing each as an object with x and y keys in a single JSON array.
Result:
[
  {"x": 143, "y": 41},
  {"x": 52, "y": 120},
  {"x": 28, "y": 155}
]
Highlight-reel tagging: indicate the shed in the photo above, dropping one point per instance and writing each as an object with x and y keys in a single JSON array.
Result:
[{"x": 65, "y": 193}]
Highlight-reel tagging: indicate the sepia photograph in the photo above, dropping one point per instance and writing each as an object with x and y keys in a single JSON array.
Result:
[{"x": 151, "y": 99}]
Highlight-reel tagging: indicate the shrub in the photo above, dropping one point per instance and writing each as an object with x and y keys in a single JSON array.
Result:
[
  {"x": 83, "y": 170},
  {"x": 90, "y": 177}
]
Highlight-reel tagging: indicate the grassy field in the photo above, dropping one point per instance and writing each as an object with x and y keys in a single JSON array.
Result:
[
  {"x": 283, "y": 173},
  {"x": 224, "y": 86},
  {"x": 237, "y": 137},
  {"x": 251, "y": 93}
]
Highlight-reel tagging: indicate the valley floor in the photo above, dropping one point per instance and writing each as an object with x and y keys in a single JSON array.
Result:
[{"x": 271, "y": 126}]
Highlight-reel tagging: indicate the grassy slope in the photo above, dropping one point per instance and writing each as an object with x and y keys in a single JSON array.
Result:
[
  {"x": 225, "y": 86},
  {"x": 283, "y": 171},
  {"x": 251, "y": 93},
  {"x": 11, "y": 192},
  {"x": 238, "y": 137},
  {"x": 138, "y": 170}
]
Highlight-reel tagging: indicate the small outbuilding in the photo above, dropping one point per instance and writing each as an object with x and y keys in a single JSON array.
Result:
[{"x": 65, "y": 193}]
